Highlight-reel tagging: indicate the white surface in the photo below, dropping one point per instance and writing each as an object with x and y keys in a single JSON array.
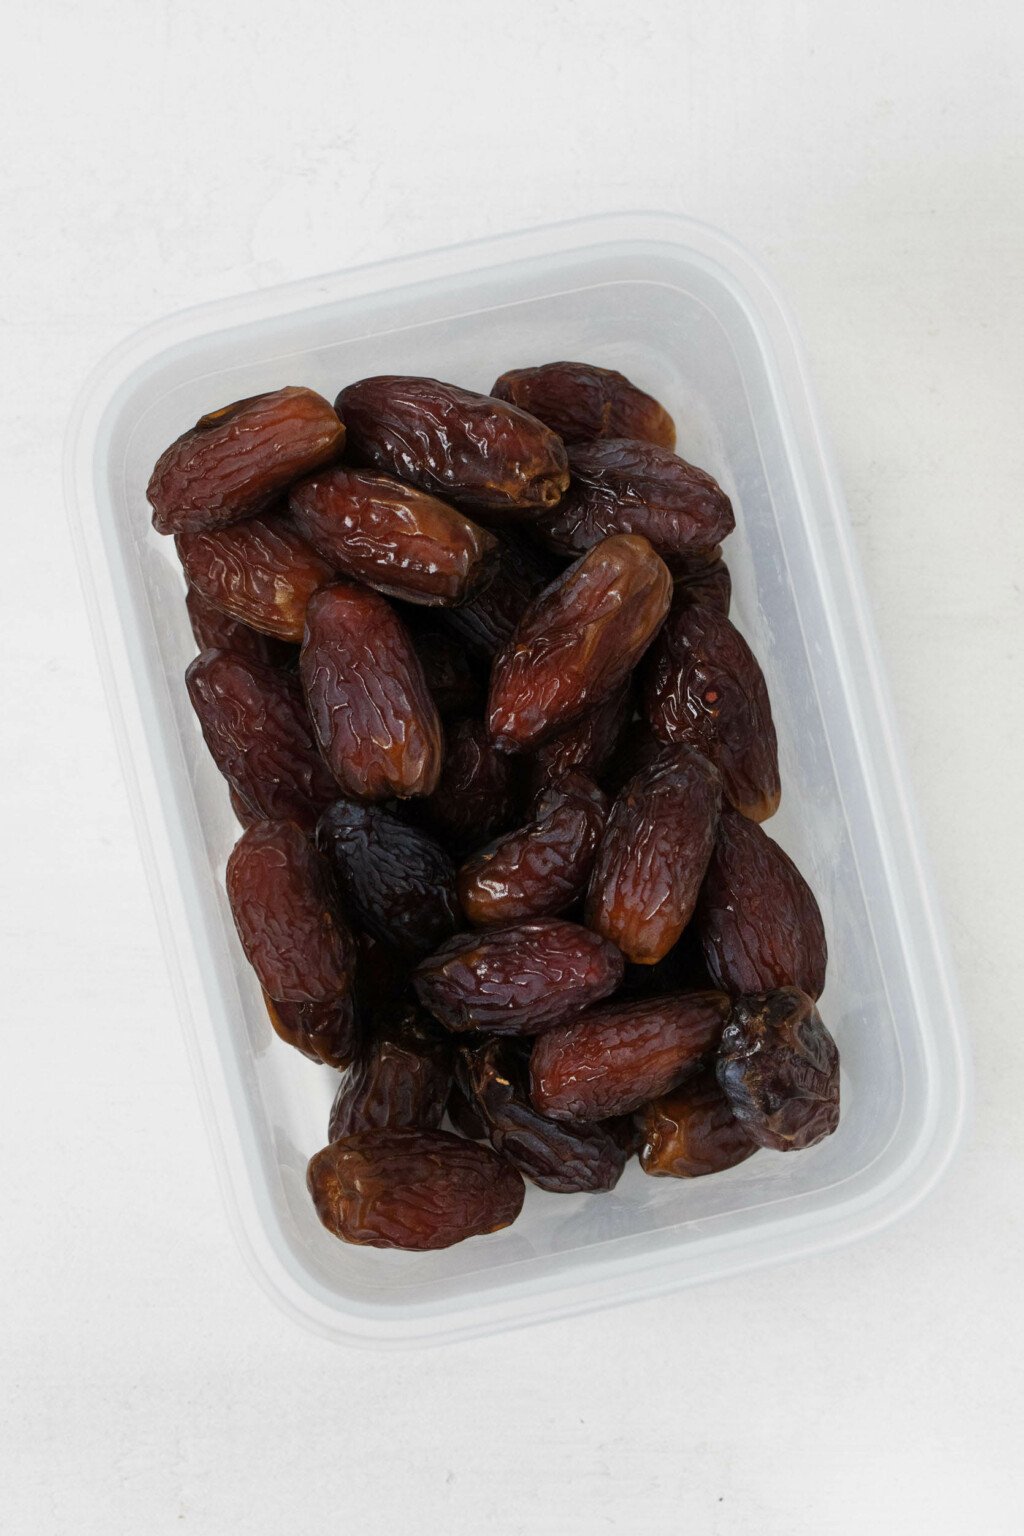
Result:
[{"x": 160, "y": 155}]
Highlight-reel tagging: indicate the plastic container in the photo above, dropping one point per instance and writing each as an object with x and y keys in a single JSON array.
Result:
[{"x": 689, "y": 316}]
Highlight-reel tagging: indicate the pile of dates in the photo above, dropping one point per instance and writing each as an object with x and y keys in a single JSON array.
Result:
[{"x": 502, "y": 763}]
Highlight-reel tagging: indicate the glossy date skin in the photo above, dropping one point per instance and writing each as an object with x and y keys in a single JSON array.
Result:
[
  {"x": 778, "y": 1066},
  {"x": 588, "y": 745},
  {"x": 395, "y": 880},
  {"x": 412, "y": 1189},
  {"x": 704, "y": 688},
  {"x": 759, "y": 922},
  {"x": 216, "y": 630},
  {"x": 373, "y": 716},
  {"x": 452, "y": 442},
  {"x": 692, "y": 1131},
  {"x": 255, "y": 724},
  {"x": 234, "y": 461},
  {"x": 582, "y": 402},
  {"x": 610, "y": 1060},
  {"x": 517, "y": 980},
  {"x": 293, "y": 936},
  {"x": 476, "y": 795},
  {"x": 541, "y": 868},
  {"x": 653, "y": 856},
  {"x": 393, "y": 537},
  {"x": 577, "y": 642},
  {"x": 325, "y": 1032},
  {"x": 261, "y": 571},
  {"x": 398, "y": 1081}
]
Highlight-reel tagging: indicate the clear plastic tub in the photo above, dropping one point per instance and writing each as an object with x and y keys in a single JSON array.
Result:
[{"x": 689, "y": 316}]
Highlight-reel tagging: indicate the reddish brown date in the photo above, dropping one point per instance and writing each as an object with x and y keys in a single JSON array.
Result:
[
  {"x": 412, "y": 1189},
  {"x": 758, "y": 920},
  {"x": 704, "y": 688},
  {"x": 453, "y": 442},
  {"x": 587, "y": 745},
  {"x": 565, "y": 1159},
  {"x": 216, "y": 630},
  {"x": 454, "y": 684},
  {"x": 653, "y": 856},
  {"x": 255, "y": 724},
  {"x": 693, "y": 1131},
  {"x": 233, "y": 462},
  {"x": 624, "y": 486},
  {"x": 577, "y": 642},
  {"x": 581, "y": 402},
  {"x": 376, "y": 723},
  {"x": 393, "y": 537},
  {"x": 610, "y": 1060},
  {"x": 476, "y": 795},
  {"x": 395, "y": 880},
  {"x": 398, "y": 1081},
  {"x": 706, "y": 582},
  {"x": 261, "y": 571},
  {"x": 541, "y": 868},
  {"x": 487, "y": 622},
  {"x": 517, "y": 980},
  {"x": 779, "y": 1068},
  {"x": 293, "y": 937},
  {"x": 325, "y": 1032}
]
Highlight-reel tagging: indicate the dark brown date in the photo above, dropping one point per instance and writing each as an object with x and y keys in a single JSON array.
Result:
[
  {"x": 565, "y": 1159},
  {"x": 476, "y": 794},
  {"x": 463, "y": 1114},
  {"x": 693, "y": 1131},
  {"x": 293, "y": 937},
  {"x": 757, "y": 917},
  {"x": 325, "y": 1032},
  {"x": 653, "y": 856},
  {"x": 453, "y": 442},
  {"x": 394, "y": 880},
  {"x": 706, "y": 582},
  {"x": 577, "y": 642},
  {"x": 398, "y": 1081},
  {"x": 608, "y": 1061},
  {"x": 587, "y": 745},
  {"x": 454, "y": 685},
  {"x": 376, "y": 723},
  {"x": 625, "y": 486},
  {"x": 542, "y": 868},
  {"x": 216, "y": 630},
  {"x": 779, "y": 1068},
  {"x": 487, "y": 622},
  {"x": 581, "y": 403},
  {"x": 412, "y": 1189},
  {"x": 234, "y": 461},
  {"x": 705, "y": 689},
  {"x": 393, "y": 537},
  {"x": 255, "y": 724},
  {"x": 517, "y": 980},
  {"x": 261, "y": 571}
]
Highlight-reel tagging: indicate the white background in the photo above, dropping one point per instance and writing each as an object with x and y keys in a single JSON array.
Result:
[{"x": 158, "y": 154}]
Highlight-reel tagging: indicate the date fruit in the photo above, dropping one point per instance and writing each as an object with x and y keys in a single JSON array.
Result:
[
  {"x": 487, "y": 622},
  {"x": 398, "y": 1081},
  {"x": 779, "y": 1068},
  {"x": 517, "y": 980},
  {"x": 577, "y": 642},
  {"x": 706, "y": 582},
  {"x": 261, "y": 571},
  {"x": 757, "y": 917},
  {"x": 464, "y": 1115},
  {"x": 652, "y": 858},
  {"x": 412, "y": 1189},
  {"x": 610, "y": 1060},
  {"x": 376, "y": 723},
  {"x": 476, "y": 794},
  {"x": 453, "y": 442},
  {"x": 325, "y": 1032},
  {"x": 693, "y": 1131},
  {"x": 234, "y": 461},
  {"x": 704, "y": 688},
  {"x": 280, "y": 897},
  {"x": 588, "y": 744},
  {"x": 581, "y": 403},
  {"x": 216, "y": 630}
]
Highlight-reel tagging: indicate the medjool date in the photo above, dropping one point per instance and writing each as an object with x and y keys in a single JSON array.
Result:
[
  {"x": 261, "y": 571},
  {"x": 779, "y": 1068},
  {"x": 581, "y": 402},
  {"x": 692, "y": 1131}
]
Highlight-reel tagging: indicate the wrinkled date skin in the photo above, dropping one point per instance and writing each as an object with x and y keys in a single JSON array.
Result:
[
  {"x": 517, "y": 980},
  {"x": 610, "y": 1060},
  {"x": 564, "y": 1159},
  {"x": 758, "y": 920},
  {"x": 587, "y": 745},
  {"x": 395, "y": 880},
  {"x": 376, "y": 723},
  {"x": 693, "y": 1131},
  {"x": 543, "y": 867},
  {"x": 233, "y": 462},
  {"x": 577, "y": 642},
  {"x": 293, "y": 937},
  {"x": 704, "y": 688},
  {"x": 325, "y": 1032},
  {"x": 255, "y": 724},
  {"x": 261, "y": 571},
  {"x": 453, "y": 442},
  {"x": 476, "y": 795},
  {"x": 398, "y": 1082},
  {"x": 653, "y": 856},
  {"x": 706, "y": 582},
  {"x": 624, "y": 486},
  {"x": 487, "y": 622},
  {"x": 393, "y": 537},
  {"x": 779, "y": 1068},
  {"x": 216, "y": 630},
  {"x": 454, "y": 683},
  {"x": 581, "y": 403},
  {"x": 412, "y": 1189}
]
